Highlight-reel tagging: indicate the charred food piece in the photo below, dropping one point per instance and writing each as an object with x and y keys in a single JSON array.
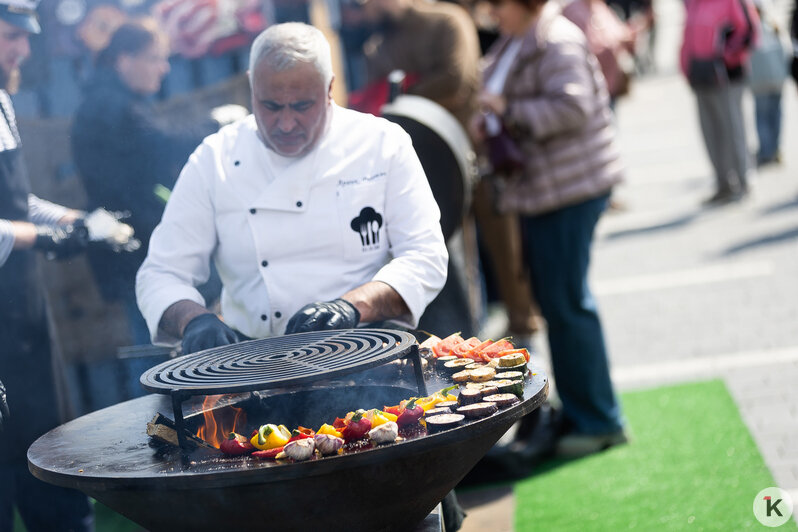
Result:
[
  {"x": 478, "y": 410},
  {"x": 469, "y": 396},
  {"x": 443, "y": 422},
  {"x": 501, "y": 399}
]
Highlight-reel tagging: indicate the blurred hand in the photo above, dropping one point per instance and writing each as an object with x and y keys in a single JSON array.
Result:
[
  {"x": 324, "y": 316},
  {"x": 62, "y": 241},
  {"x": 206, "y": 331},
  {"x": 4, "y": 414}
]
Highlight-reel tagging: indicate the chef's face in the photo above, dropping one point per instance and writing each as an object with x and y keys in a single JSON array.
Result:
[
  {"x": 144, "y": 71},
  {"x": 14, "y": 49},
  {"x": 290, "y": 107}
]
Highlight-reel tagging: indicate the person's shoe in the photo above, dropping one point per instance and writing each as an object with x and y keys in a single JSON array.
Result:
[
  {"x": 575, "y": 445},
  {"x": 721, "y": 197}
]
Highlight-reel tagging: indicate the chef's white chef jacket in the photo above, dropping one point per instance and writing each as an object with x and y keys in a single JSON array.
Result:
[{"x": 287, "y": 231}]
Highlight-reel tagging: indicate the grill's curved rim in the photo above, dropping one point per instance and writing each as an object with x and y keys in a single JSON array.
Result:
[{"x": 279, "y": 361}]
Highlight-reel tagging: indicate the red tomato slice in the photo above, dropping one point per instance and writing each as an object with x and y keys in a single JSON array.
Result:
[
  {"x": 473, "y": 353},
  {"x": 430, "y": 342},
  {"x": 465, "y": 346},
  {"x": 493, "y": 350},
  {"x": 445, "y": 346}
]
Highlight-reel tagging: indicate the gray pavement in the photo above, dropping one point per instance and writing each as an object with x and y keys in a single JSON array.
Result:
[{"x": 689, "y": 293}]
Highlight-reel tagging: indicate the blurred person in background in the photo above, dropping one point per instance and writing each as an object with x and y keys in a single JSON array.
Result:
[
  {"x": 544, "y": 87},
  {"x": 610, "y": 39},
  {"x": 28, "y": 224},
  {"x": 436, "y": 44},
  {"x": 717, "y": 42},
  {"x": 769, "y": 64},
  {"x": 127, "y": 155}
]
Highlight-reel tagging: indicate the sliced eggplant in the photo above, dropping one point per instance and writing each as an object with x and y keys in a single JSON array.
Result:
[
  {"x": 469, "y": 396},
  {"x": 437, "y": 410},
  {"x": 440, "y": 361},
  {"x": 501, "y": 399},
  {"x": 488, "y": 390},
  {"x": 478, "y": 410},
  {"x": 451, "y": 405},
  {"x": 443, "y": 422}
]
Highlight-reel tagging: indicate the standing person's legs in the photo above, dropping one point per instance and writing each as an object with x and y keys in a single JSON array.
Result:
[
  {"x": 768, "y": 125},
  {"x": 710, "y": 116},
  {"x": 735, "y": 147},
  {"x": 558, "y": 254}
]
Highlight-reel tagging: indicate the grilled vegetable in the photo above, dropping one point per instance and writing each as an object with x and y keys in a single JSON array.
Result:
[
  {"x": 328, "y": 444},
  {"x": 236, "y": 445},
  {"x": 356, "y": 427},
  {"x": 270, "y": 436},
  {"x": 300, "y": 450},
  {"x": 437, "y": 410},
  {"x": 268, "y": 454},
  {"x": 385, "y": 433},
  {"x": 451, "y": 405},
  {"x": 469, "y": 396},
  {"x": 478, "y": 410},
  {"x": 445, "y": 346},
  {"x": 411, "y": 414},
  {"x": 511, "y": 375},
  {"x": 501, "y": 399},
  {"x": 456, "y": 365},
  {"x": 482, "y": 374},
  {"x": 329, "y": 429},
  {"x": 443, "y": 422}
]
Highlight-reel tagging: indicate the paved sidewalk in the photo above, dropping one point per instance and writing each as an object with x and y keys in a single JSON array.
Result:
[{"x": 689, "y": 293}]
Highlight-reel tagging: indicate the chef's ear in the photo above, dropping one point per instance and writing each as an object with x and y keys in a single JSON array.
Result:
[{"x": 330, "y": 89}]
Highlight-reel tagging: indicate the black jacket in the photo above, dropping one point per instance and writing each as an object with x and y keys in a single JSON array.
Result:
[{"x": 122, "y": 150}]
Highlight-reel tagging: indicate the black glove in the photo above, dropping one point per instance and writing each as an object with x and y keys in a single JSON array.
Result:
[
  {"x": 206, "y": 331},
  {"x": 324, "y": 316},
  {"x": 62, "y": 241},
  {"x": 4, "y": 414}
]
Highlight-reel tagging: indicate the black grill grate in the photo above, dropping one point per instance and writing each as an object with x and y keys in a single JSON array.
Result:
[{"x": 280, "y": 361}]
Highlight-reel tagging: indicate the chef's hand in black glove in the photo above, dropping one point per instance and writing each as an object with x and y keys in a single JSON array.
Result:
[
  {"x": 324, "y": 316},
  {"x": 4, "y": 414},
  {"x": 206, "y": 331},
  {"x": 62, "y": 241}
]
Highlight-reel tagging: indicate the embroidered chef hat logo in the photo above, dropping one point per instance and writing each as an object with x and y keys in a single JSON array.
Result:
[{"x": 367, "y": 225}]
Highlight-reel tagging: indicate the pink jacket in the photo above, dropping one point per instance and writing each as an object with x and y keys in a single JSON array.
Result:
[
  {"x": 715, "y": 27},
  {"x": 558, "y": 109}
]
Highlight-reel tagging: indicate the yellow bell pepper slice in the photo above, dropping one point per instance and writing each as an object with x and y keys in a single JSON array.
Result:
[
  {"x": 270, "y": 436},
  {"x": 329, "y": 429}
]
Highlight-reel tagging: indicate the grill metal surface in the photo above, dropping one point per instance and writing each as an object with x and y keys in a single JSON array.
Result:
[{"x": 281, "y": 361}]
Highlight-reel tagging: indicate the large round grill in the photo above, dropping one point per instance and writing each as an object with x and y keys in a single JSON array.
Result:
[{"x": 277, "y": 362}]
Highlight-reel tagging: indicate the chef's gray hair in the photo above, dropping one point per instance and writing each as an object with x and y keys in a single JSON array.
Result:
[{"x": 285, "y": 45}]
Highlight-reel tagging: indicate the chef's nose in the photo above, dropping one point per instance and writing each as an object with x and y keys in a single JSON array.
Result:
[{"x": 286, "y": 120}]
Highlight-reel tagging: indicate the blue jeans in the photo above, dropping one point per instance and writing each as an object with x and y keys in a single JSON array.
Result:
[
  {"x": 768, "y": 125},
  {"x": 557, "y": 249}
]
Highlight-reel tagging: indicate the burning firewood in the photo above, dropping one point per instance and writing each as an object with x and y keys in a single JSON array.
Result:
[{"x": 162, "y": 429}]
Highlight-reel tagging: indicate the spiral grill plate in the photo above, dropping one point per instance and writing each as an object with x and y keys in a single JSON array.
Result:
[{"x": 279, "y": 361}]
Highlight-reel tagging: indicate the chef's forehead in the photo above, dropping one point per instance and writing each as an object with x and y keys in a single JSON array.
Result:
[{"x": 284, "y": 46}]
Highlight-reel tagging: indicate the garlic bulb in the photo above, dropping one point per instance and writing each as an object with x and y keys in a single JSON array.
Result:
[
  {"x": 300, "y": 450},
  {"x": 328, "y": 444},
  {"x": 385, "y": 433}
]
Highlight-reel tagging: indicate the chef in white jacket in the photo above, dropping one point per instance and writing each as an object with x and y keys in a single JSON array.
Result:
[{"x": 317, "y": 217}]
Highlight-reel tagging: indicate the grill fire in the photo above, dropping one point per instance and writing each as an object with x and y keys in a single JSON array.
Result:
[{"x": 220, "y": 422}]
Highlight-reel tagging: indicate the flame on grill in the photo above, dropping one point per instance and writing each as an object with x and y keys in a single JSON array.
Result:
[{"x": 221, "y": 422}]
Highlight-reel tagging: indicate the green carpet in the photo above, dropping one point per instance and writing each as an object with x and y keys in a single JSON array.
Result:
[{"x": 692, "y": 465}]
